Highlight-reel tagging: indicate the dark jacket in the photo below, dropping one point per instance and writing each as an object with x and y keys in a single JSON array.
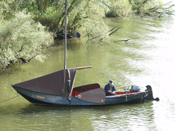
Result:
[{"x": 107, "y": 88}]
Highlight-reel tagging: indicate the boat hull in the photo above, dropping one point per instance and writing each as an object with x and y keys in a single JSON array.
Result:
[{"x": 43, "y": 99}]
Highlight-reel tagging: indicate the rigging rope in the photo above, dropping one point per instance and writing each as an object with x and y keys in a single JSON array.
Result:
[{"x": 9, "y": 99}]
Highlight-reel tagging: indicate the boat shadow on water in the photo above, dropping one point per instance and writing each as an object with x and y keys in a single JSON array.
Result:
[{"x": 33, "y": 109}]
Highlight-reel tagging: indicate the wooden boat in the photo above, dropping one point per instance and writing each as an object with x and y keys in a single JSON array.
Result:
[
  {"x": 48, "y": 90},
  {"x": 56, "y": 89}
]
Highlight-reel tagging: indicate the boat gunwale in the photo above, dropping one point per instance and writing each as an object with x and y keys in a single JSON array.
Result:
[{"x": 124, "y": 95}]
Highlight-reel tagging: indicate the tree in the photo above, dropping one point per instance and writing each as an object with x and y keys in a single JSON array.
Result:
[
  {"x": 151, "y": 7},
  {"x": 42, "y": 5},
  {"x": 22, "y": 39}
]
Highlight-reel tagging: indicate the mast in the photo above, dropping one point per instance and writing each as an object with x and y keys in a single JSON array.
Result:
[{"x": 65, "y": 48}]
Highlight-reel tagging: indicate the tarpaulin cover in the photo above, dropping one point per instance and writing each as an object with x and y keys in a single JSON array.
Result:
[
  {"x": 51, "y": 83},
  {"x": 95, "y": 95}
]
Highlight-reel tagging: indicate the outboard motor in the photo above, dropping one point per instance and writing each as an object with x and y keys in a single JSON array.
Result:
[
  {"x": 135, "y": 88},
  {"x": 150, "y": 94}
]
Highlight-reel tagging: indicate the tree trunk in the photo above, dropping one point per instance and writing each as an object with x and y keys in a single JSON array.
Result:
[
  {"x": 69, "y": 9},
  {"x": 40, "y": 5},
  {"x": 45, "y": 5}
]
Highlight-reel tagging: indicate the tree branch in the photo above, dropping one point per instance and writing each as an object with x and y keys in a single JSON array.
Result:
[
  {"x": 110, "y": 8},
  {"x": 115, "y": 31},
  {"x": 126, "y": 39},
  {"x": 113, "y": 28},
  {"x": 69, "y": 9}
]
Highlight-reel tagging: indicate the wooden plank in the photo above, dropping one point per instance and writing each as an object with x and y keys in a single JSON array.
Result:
[{"x": 85, "y": 67}]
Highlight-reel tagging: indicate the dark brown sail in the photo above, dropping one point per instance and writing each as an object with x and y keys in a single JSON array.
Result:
[{"x": 50, "y": 84}]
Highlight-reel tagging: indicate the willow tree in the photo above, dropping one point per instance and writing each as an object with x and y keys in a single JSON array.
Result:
[
  {"x": 117, "y": 8},
  {"x": 151, "y": 7},
  {"x": 22, "y": 39},
  {"x": 83, "y": 15}
]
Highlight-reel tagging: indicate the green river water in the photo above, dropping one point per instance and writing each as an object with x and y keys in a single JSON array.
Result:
[{"x": 149, "y": 59}]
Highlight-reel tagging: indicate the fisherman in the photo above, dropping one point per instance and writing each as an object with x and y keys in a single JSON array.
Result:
[{"x": 110, "y": 88}]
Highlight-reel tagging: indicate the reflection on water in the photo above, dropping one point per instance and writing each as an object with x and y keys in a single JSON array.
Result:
[
  {"x": 149, "y": 59},
  {"x": 121, "y": 117},
  {"x": 126, "y": 117},
  {"x": 63, "y": 118}
]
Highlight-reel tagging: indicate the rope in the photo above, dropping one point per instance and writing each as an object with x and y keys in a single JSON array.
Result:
[{"x": 9, "y": 99}]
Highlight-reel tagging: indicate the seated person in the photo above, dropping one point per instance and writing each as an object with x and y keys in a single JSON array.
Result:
[{"x": 110, "y": 88}]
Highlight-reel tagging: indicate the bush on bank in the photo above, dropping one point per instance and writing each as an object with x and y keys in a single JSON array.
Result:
[{"x": 22, "y": 39}]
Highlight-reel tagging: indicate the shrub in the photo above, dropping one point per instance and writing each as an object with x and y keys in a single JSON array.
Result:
[
  {"x": 117, "y": 8},
  {"x": 22, "y": 39}
]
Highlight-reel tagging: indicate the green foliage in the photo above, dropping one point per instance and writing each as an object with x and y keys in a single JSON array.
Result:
[
  {"x": 124, "y": 8},
  {"x": 93, "y": 19},
  {"x": 85, "y": 15},
  {"x": 145, "y": 8},
  {"x": 138, "y": 5},
  {"x": 117, "y": 8},
  {"x": 4, "y": 10},
  {"x": 151, "y": 7},
  {"x": 48, "y": 18},
  {"x": 21, "y": 39}
]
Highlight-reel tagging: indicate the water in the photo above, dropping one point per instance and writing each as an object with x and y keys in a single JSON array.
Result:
[{"x": 148, "y": 59}]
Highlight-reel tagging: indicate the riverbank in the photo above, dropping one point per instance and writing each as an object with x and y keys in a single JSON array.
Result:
[{"x": 26, "y": 34}]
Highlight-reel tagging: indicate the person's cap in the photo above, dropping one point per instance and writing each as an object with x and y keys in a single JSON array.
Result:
[{"x": 110, "y": 81}]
